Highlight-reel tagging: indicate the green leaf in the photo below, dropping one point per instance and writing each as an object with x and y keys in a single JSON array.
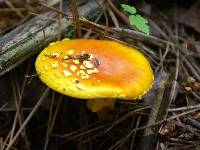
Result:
[
  {"x": 129, "y": 9},
  {"x": 140, "y": 22}
]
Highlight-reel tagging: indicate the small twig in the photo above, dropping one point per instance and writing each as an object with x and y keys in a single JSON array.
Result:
[
  {"x": 129, "y": 114},
  {"x": 70, "y": 137},
  {"x": 163, "y": 58},
  {"x": 90, "y": 30},
  {"x": 76, "y": 18},
  {"x": 113, "y": 17},
  {"x": 28, "y": 118},
  {"x": 197, "y": 106},
  {"x": 36, "y": 14},
  {"x": 157, "y": 27},
  {"x": 193, "y": 71},
  {"x": 106, "y": 17},
  {"x": 134, "y": 134},
  {"x": 141, "y": 36},
  {"x": 14, "y": 109},
  {"x": 54, "y": 9},
  {"x": 59, "y": 20},
  {"x": 3, "y": 106},
  {"x": 118, "y": 12},
  {"x": 16, "y": 10},
  {"x": 12, "y": 10},
  {"x": 13, "y": 129},
  {"x": 19, "y": 91},
  {"x": 49, "y": 120},
  {"x": 52, "y": 118},
  {"x": 16, "y": 96}
]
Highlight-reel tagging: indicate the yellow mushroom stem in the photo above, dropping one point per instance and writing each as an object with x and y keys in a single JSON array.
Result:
[{"x": 98, "y": 105}]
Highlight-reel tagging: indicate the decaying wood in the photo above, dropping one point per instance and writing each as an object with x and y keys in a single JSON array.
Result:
[
  {"x": 149, "y": 137},
  {"x": 166, "y": 94},
  {"x": 31, "y": 37}
]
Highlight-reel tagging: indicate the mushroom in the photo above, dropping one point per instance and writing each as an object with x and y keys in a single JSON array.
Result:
[{"x": 97, "y": 70}]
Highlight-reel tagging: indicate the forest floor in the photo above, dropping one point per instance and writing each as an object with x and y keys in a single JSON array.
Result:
[{"x": 34, "y": 117}]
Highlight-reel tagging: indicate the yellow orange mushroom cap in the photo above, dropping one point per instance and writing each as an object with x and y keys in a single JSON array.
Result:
[{"x": 90, "y": 69}]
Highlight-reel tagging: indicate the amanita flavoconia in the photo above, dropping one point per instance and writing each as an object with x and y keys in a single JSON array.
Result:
[{"x": 97, "y": 70}]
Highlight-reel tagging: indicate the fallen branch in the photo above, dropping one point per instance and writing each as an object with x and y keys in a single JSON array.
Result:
[{"x": 31, "y": 37}]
